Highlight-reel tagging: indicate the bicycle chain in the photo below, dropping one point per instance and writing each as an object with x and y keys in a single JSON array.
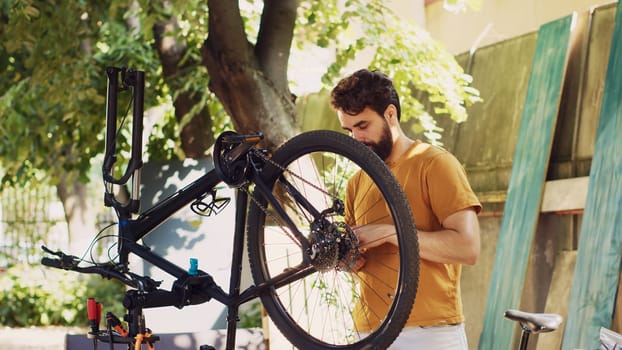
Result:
[
  {"x": 269, "y": 160},
  {"x": 280, "y": 167},
  {"x": 265, "y": 210}
]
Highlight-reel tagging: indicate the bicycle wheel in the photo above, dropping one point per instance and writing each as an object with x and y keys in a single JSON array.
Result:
[{"x": 305, "y": 256}]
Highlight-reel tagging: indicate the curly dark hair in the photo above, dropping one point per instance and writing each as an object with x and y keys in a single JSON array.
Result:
[{"x": 365, "y": 88}]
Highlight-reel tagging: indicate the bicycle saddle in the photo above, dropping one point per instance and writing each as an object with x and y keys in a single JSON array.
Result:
[{"x": 535, "y": 322}]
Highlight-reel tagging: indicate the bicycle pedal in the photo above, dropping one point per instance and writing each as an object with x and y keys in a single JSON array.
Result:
[{"x": 206, "y": 347}]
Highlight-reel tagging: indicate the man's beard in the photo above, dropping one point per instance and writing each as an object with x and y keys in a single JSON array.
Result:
[{"x": 384, "y": 146}]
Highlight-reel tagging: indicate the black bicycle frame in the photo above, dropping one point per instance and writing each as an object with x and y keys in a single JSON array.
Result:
[{"x": 187, "y": 289}]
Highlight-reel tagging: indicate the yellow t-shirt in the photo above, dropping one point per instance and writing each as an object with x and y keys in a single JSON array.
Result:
[{"x": 436, "y": 186}]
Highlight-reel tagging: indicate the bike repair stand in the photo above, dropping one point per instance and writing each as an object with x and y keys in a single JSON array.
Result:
[{"x": 137, "y": 335}]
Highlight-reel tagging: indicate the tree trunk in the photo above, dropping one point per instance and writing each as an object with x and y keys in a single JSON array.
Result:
[
  {"x": 251, "y": 81},
  {"x": 79, "y": 213},
  {"x": 196, "y": 133}
]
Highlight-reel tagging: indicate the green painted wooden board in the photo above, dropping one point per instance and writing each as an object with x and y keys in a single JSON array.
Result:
[
  {"x": 531, "y": 158},
  {"x": 597, "y": 271}
]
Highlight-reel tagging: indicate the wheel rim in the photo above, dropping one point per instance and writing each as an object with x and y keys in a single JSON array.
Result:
[{"x": 321, "y": 305}]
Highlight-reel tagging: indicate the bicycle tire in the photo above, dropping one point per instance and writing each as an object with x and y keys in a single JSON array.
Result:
[{"x": 290, "y": 305}]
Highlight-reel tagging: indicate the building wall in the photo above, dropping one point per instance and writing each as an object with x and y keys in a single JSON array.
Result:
[{"x": 497, "y": 20}]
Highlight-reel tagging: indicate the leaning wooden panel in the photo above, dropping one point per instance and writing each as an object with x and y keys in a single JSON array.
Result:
[
  {"x": 558, "y": 296},
  {"x": 595, "y": 282},
  {"x": 530, "y": 162}
]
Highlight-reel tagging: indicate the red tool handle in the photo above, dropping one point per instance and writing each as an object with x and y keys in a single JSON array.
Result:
[
  {"x": 91, "y": 309},
  {"x": 94, "y": 312}
]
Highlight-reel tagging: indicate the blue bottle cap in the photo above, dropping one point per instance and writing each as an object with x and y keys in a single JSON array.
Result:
[{"x": 194, "y": 266}]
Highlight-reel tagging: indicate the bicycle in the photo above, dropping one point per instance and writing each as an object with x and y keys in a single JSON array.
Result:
[{"x": 293, "y": 207}]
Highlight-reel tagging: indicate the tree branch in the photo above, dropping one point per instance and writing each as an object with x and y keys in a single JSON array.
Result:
[
  {"x": 274, "y": 40},
  {"x": 246, "y": 90},
  {"x": 226, "y": 31},
  {"x": 196, "y": 135},
  {"x": 226, "y": 51}
]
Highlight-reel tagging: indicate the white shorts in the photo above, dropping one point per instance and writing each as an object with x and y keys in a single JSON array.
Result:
[{"x": 451, "y": 337}]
